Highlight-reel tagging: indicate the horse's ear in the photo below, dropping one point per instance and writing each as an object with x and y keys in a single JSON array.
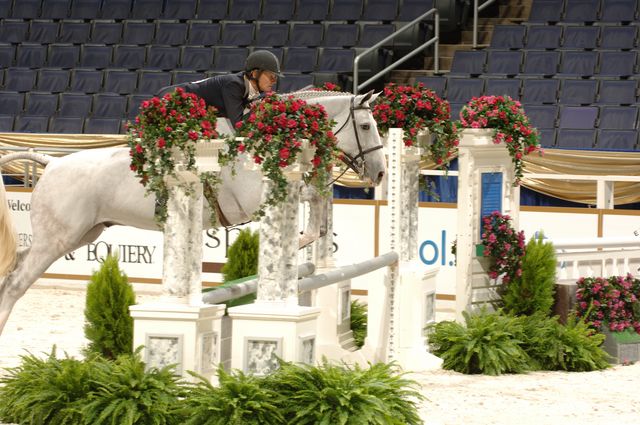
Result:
[
  {"x": 374, "y": 96},
  {"x": 365, "y": 98}
]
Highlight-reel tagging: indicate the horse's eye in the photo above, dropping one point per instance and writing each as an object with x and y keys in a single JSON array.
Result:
[{"x": 365, "y": 126}]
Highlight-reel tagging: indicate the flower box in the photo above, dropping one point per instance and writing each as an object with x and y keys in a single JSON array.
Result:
[
  {"x": 624, "y": 347},
  {"x": 479, "y": 250},
  {"x": 207, "y": 155}
]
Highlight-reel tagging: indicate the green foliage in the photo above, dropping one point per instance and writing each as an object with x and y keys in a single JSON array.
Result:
[
  {"x": 126, "y": 394},
  {"x": 533, "y": 291},
  {"x": 487, "y": 344},
  {"x": 239, "y": 400},
  {"x": 359, "y": 322},
  {"x": 242, "y": 261},
  {"x": 109, "y": 327},
  {"x": 342, "y": 395},
  {"x": 45, "y": 391}
]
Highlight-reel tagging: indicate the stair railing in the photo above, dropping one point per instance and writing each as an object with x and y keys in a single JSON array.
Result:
[{"x": 476, "y": 10}]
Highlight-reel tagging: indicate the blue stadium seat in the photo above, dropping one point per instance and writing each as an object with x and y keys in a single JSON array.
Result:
[
  {"x": 26, "y": 9},
  {"x": 204, "y": 33},
  {"x": 503, "y": 87},
  {"x": 41, "y": 104},
  {"x": 66, "y": 125},
  {"x": 617, "y": 92},
  {"x": 271, "y": 35},
  {"x": 7, "y": 55},
  {"x": 74, "y": 104},
  {"x": 372, "y": 33},
  {"x": 569, "y": 138},
  {"x": 618, "y": 11},
  {"x": 508, "y": 37},
  {"x": 6, "y": 123},
  {"x": 63, "y": 56},
  {"x": 578, "y": 92},
  {"x": 5, "y": 8},
  {"x": 617, "y": 140},
  {"x": 171, "y": 33},
  {"x": 412, "y": 9},
  {"x": 106, "y": 32},
  {"x": 180, "y": 9},
  {"x": 541, "y": 116},
  {"x": 109, "y": 105},
  {"x": 346, "y": 10},
  {"x": 147, "y": 9},
  {"x": 115, "y": 9},
  {"x": 74, "y": 31},
  {"x": 212, "y": 9},
  {"x": 128, "y": 56},
  {"x": 133, "y": 104},
  {"x": 468, "y": 62},
  {"x": 244, "y": 10},
  {"x": 456, "y": 107},
  {"x": 618, "y": 117},
  {"x": 505, "y": 62},
  {"x": 138, "y": 32},
  {"x": 618, "y": 37},
  {"x": 43, "y": 31},
  {"x": 579, "y": 117},
  {"x": 153, "y": 81},
  {"x": 293, "y": 82},
  {"x": 581, "y": 10},
  {"x": 300, "y": 59},
  {"x": 53, "y": 80},
  {"x": 237, "y": 34},
  {"x": 19, "y": 79},
  {"x": 95, "y": 125},
  {"x": 547, "y": 137},
  {"x": 12, "y": 103},
  {"x": 277, "y": 10},
  {"x": 85, "y": 9},
  {"x": 180, "y": 77},
  {"x": 31, "y": 124},
  {"x": 617, "y": 64},
  {"x": 13, "y": 30},
  {"x": 305, "y": 35},
  {"x": 434, "y": 82},
  {"x": 55, "y": 9},
  {"x": 196, "y": 58},
  {"x": 30, "y": 55},
  {"x": 539, "y": 91},
  {"x": 335, "y": 60},
  {"x": 383, "y": 10},
  {"x": 461, "y": 90},
  {"x": 541, "y": 63},
  {"x": 229, "y": 59},
  {"x": 340, "y": 35},
  {"x": 544, "y": 36},
  {"x": 581, "y": 37},
  {"x": 311, "y": 10},
  {"x": 120, "y": 81},
  {"x": 98, "y": 56},
  {"x": 578, "y": 63},
  {"x": 86, "y": 80},
  {"x": 546, "y": 10},
  {"x": 162, "y": 57}
]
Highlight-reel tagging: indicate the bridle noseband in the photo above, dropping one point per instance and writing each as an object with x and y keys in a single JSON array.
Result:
[{"x": 356, "y": 163}]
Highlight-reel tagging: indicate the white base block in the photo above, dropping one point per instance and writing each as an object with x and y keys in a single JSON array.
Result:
[
  {"x": 263, "y": 331},
  {"x": 181, "y": 334}
]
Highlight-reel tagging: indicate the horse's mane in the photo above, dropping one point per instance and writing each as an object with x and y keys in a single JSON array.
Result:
[{"x": 312, "y": 94}]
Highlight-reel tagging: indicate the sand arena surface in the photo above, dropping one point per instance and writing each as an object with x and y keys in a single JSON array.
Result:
[{"x": 52, "y": 313}]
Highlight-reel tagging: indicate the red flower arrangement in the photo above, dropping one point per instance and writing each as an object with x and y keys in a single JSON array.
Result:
[
  {"x": 611, "y": 302},
  {"x": 163, "y": 127},
  {"x": 415, "y": 108},
  {"x": 273, "y": 135},
  {"x": 503, "y": 245},
  {"x": 511, "y": 125}
]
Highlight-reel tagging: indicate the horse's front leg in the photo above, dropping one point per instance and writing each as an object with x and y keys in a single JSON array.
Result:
[{"x": 317, "y": 224}]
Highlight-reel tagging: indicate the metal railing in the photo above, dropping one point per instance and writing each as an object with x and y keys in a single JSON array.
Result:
[
  {"x": 476, "y": 10},
  {"x": 434, "y": 40}
]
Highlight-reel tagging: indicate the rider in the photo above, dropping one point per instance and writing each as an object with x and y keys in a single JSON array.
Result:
[{"x": 232, "y": 93}]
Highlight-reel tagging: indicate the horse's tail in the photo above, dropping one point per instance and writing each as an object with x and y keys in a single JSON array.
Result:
[
  {"x": 40, "y": 158},
  {"x": 8, "y": 245}
]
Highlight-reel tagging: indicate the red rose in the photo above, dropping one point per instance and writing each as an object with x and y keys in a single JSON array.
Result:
[
  {"x": 139, "y": 148},
  {"x": 161, "y": 143}
]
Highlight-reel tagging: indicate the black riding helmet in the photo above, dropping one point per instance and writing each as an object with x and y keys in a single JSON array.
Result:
[{"x": 262, "y": 60}]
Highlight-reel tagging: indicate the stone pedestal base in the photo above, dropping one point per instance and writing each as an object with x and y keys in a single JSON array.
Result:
[
  {"x": 334, "y": 322},
  {"x": 189, "y": 336},
  {"x": 263, "y": 331}
]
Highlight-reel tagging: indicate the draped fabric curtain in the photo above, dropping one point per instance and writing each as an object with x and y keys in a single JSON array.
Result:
[{"x": 553, "y": 161}]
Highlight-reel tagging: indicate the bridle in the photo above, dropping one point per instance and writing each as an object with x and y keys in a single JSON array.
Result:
[{"x": 356, "y": 163}]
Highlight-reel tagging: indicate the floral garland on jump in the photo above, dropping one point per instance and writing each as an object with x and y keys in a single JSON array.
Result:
[
  {"x": 167, "y": 127},
  {"x": 503, "y": 246},
  {"x": 276, "y": 132}
]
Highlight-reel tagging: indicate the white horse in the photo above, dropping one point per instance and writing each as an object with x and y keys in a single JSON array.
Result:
[{"x": 81, "y": 194}]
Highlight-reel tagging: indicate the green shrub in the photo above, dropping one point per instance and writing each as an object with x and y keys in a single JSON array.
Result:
[
  {"x": 126, "y": 394},
  {"x": 46, "y": 391},
  {"x": 242, "y": 261},
  {"x": 109, "y": 327},
  {"x": 533, "y": 291},
  {"x": 344, "y": 395},
  {"x": 487, "y": 344},
  {"x": 359, "y": 322},
  {"x": 239, "y": 400}
]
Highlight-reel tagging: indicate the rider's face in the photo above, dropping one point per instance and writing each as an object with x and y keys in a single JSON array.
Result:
[{"x": 267, "y": 81}]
